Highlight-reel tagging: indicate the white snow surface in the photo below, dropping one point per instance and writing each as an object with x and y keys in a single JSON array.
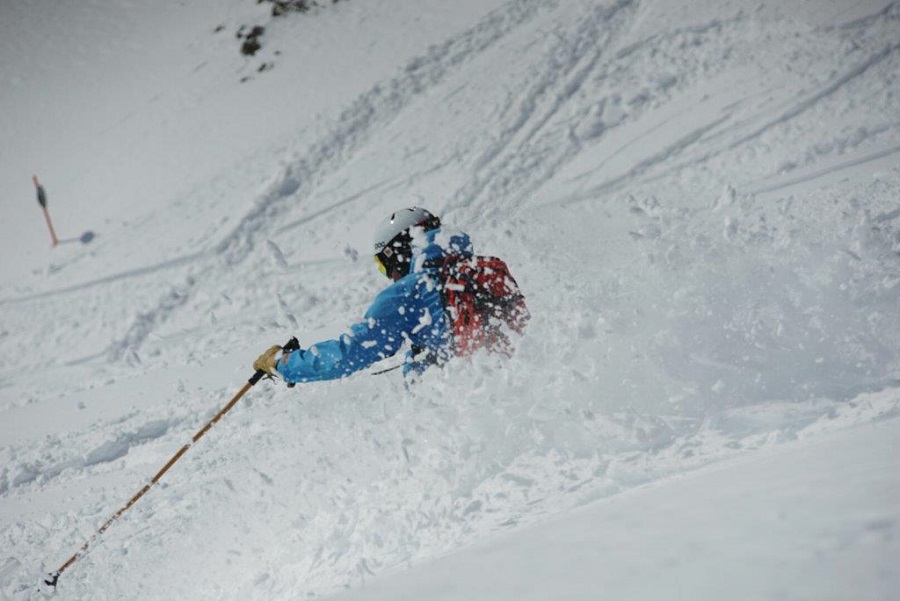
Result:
[{"x": 700, "y": 200}]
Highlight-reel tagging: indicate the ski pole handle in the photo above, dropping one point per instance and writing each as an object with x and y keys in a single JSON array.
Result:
[{"x": 292, "y": 345}]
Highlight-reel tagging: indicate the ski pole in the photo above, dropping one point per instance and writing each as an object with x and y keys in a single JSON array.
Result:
[
  {"x": 42, "y": 200},
  {"x": 292, "y": 345}
]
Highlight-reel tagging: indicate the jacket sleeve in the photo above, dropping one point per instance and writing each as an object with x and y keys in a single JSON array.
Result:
[{"x": 379, "y": 335}]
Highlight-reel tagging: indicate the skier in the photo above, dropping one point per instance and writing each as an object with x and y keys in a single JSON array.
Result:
[{"x": 444, "y": 301}]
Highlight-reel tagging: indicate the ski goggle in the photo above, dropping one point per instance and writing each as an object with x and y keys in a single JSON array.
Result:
[
  {"x": 382, "y": 258},
  {"x": 381, "y": 266}
]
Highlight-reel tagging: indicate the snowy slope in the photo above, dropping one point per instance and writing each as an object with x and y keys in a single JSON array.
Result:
[
  {"x": 824, "y": 529},
  {"x": 700, "y": 200}
]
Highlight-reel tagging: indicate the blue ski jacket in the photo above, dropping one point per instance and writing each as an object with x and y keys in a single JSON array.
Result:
[{"x": 410, "y": 310}]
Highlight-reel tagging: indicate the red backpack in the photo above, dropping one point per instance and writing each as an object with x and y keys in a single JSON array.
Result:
[{"x": 482, "y": 300}]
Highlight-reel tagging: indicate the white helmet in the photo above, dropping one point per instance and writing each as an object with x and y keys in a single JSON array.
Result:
[{"x": 392, "y": 247}]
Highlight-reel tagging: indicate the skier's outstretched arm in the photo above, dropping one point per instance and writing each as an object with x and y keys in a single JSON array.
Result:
[{"x": 394, "y": 315}]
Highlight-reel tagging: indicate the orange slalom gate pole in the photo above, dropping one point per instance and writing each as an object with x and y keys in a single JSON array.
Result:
[{"x": 42, "y": 200}]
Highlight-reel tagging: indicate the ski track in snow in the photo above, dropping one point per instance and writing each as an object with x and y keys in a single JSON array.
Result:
[
  {"x": 727, "y": 133},
  {"x": 509, "y": 163}
]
